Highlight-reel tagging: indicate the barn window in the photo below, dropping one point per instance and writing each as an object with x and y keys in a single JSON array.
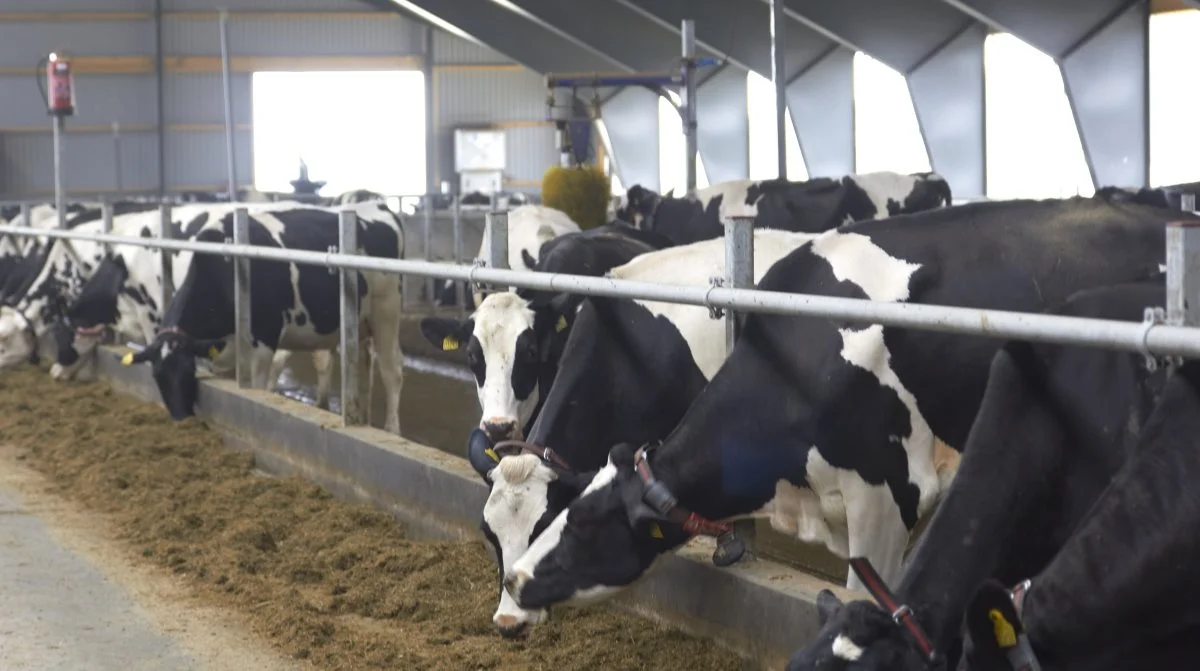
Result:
[
  {"x": 672, "y": 163},
  {"x": 618, "y": 189},
  {"x": 1174, "y": 143},
  {"x": 1033, "y": 147},
  {"x": 760, "y": 106},
  {"x": 886, "y": 133},
  {"x": 320, "y": 117}
]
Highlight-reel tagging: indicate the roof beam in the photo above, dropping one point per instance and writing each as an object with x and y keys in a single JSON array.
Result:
[
  {"x": 1054, "y": 27},
  {"x": 739, "y": 32},
  {"x": 524, "y": 41}
]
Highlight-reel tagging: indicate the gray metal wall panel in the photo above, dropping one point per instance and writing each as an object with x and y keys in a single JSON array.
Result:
[
  {"x": 27, "y": 163},
  {"x": 631, "y": 119},
  {"x": 451, "y": 49},
  {"x": 481, "y": 96},
  {"x": 822, "y": 105},
  {"x": 531, "y": 151},
  {"x": 23, "y": 43},
  {"x": 1107, "y": 80},
  {"x": 277, "y": 5},
  {"x": 102, "y": 99},
  {"x": 388, "y": 34},
  {"x": 723, "y": 126},
  {"x": 199, "y": 98},
  {"x": 948, "y": 96},
  {"x": 198, "y": 159}
]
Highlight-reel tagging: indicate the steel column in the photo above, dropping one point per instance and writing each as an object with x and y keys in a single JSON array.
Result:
[
  {"x": 353, "y": 405},
  {"x": 243, "y": 335},
  {"x": 106, "y": 223},
  {"x": 160, "y": 115},
  {"x": 427, "y": 242},
  {"x": 739, "y": 274},
  {"x": 688, "y": 35},
  {"x": 495, "y": 234},
  {"x": 460, "y": 288},
  {"x": 60, "y": 195},
  {"x": 427, "y": 73},
  {"x": 778, "y": 79},
  {"x": 116, "y": 137},
  {"x": 227, "y": 91},
  {"x": 167, "y": 267},
  {"x": 1183, "y": 273}
]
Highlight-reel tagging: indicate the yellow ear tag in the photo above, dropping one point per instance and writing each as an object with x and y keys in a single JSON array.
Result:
[
  {"x": 449, "y": 344},
  {"x": 492, "y": 453},
  {"x": 655, "y": 530},
  {"x": 560, "y": 324},
  {"x": 127, "y": 360},
  {"x": 213, "y": 352},
  {"x": 1006, "y": 636}
]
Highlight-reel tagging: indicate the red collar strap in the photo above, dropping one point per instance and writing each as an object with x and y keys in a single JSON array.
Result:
[
  {"x": 514, "y": 447},
  {"x": 730, "y": 548},
  {"x": 902, "y": 615}
]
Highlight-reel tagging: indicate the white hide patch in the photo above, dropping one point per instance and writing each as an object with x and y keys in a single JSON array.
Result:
[
  {"x": 693, "y": 265},
  {"x": 733, "y": 198},
  {"x": 499, "y": 321},
  {"x": 545, "y": 543},
  {"x": 528, "y": 227},
  {"x": 884, "y": 186},
  {"x": 844, "y": 648},
  {"x": 517, "y": 501}
]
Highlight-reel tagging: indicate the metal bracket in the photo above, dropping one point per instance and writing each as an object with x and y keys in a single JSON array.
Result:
[
  {"x": 713, "y": 311},
  {"x": 1151, "y": 317},
  {"x": 476, "y": 263}
]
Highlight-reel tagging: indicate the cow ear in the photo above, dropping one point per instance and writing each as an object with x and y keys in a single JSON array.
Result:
[
  {"x": 481, "y": 455},
  {"x": 670, "y": 194},
  {"x": 528, "y": 260},
  {"x": 828, "y": 605},
  {"x": 209, "y": 349},
  {"x": 445, "y": 333}
]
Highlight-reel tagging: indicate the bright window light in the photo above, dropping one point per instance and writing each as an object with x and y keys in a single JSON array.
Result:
[
  {"x": 320, "y": 117},
  {"x": 610, "y": 165},
  {"x": 887, "y": 135},
  {"x": 1033, "y": 147},
  {"x": 672, "y": 162},
  {"x": 760, "y": 105},
  {"x": 1174, "y": 144}
]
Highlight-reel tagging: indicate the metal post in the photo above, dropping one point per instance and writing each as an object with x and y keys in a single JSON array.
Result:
[
  {"x": 460, "y": 288},
  {"x": 496, "y": 234},
  {"x": 1187, "y": 202},
  {"x": 60, "y": 196},
  {"x": 168, "y": 275},
  {"x": 777, "y": 77},
  {"x": 1183, "y": 273},
  {"x": 739, "y": 274},
  {"x": 243, "y": 341},
  {"x": 227, "y": 85},
  {"x": 688, "y": 31},
  {"x": 116, "y": 136},
  {"x": 106, "y": 224},
  {"x": 353, "y": 413},
  {"x": 427, "y": 233}
]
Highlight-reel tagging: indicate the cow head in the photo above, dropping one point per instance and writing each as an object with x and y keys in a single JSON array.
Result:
[
  {"x": 510, "y": 348},
  {"x": 78, "y": 334},
  {"x": 603, "y": 542},
  {"x": 857, "y": 636},
  {"x": 172, "y": 356},
  {"x": 527, "y": 491},
  {"x": 639, "y": 207},
  {"x": 929, "y": 192},
  {"x": 18, "y": 338}
]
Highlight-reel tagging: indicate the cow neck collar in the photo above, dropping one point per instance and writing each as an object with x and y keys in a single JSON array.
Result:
[
  {"x": 506, "y": 448},
  {"x": 656, "y": 495}
]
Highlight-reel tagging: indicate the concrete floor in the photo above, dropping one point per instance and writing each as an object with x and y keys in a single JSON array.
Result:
[{"x": 70, "y": 600}]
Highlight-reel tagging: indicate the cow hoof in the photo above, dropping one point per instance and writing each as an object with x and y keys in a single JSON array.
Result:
[
  {"x": 729, "y": 550},
  {"x": 57, "y": 372}
]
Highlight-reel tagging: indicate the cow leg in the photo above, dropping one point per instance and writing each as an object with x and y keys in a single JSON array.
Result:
[
  {"x": 385, "y": 331},
  {"x": 874, "y": 527},
  {"x": 278, "y": 361},
  {"x": 262, "y": 366},
  {"x": 323, "y": 364}
]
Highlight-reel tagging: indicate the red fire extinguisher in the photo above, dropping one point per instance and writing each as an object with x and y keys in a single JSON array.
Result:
[{"x": 60, "y": 99}]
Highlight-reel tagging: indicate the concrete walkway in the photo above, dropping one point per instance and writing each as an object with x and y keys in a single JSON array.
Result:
[{"x": 69, "y": 600}]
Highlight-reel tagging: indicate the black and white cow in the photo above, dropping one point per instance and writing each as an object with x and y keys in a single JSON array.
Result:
[
  {"x": 513, "y": 340},
  {"x": 839, "y": 432},
  {"x": 529, "y": 227},
  {"x": 812, "y": 206},
  {"x": 1055, "y": 424},
  {"x": 124, "y": 293},
  {"x": 36, "y": 292},
  {"x": 292, "y": 306},
  {"x": 353, "y": 197},
  {"x": 628, "y": 371},
  {"x": 1122, "y": 591}
]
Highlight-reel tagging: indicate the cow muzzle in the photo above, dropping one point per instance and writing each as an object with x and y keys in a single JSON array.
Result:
[
  {"x": 511, "y": 626},
  {"x": 498, "y": 429}
]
